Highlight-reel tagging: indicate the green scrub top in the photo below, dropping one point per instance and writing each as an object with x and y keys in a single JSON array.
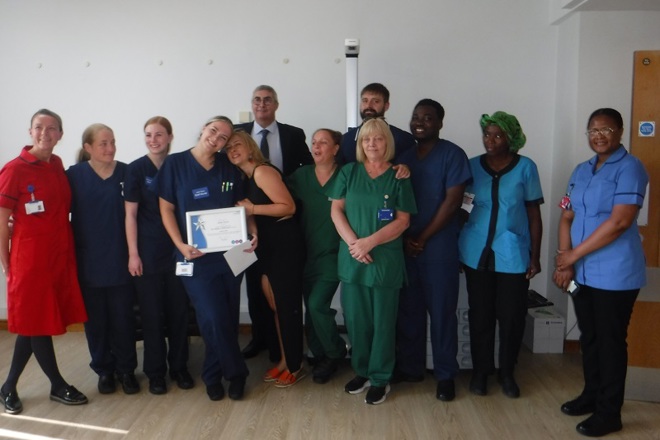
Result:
[
  {"x": 321, "y": 238},
  {"x": 364, "y": 197}
]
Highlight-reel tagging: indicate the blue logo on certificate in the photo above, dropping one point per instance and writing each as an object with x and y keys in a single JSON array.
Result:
[{"x": 200, "y": 193}]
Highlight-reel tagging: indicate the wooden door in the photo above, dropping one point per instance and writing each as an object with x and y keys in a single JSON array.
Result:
[{"x": 645, "y": 114}]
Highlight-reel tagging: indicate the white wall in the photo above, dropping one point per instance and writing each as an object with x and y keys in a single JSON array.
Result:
[
  {"x": 594, "y": 69},
  {"x": 474, "y": 57}
]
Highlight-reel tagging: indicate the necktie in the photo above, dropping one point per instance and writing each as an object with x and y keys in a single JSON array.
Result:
[{"x": 264, "y": 143}]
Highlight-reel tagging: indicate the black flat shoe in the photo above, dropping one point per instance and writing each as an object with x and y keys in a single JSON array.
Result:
[
  {"x": 215, "y": 392},
  {"x": 579, "y": 407},
  {"x": 12, "y": 403},
  {"x": 325, "y": 369},
  {"x": 69, "y": 395},
  {"x": 107, "y": 384},
  {"x": 598, "y": 425},
  {"x": 129, "y": 383},
  {"x": 446, "y": 390},
  {"x": 479, "y": 384},
  {"x": 509, "y": 387},
  {"x": 236, "y": 388},
  {"x": 157, "y": 385},
  {"x": 183, "y": 379}
]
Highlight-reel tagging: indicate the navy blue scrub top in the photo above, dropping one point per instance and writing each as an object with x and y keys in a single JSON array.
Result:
[
  {"x": 154, "y": 244},
  {"x": 183, "y": 182},
  {"x": 98, "y": 221}
]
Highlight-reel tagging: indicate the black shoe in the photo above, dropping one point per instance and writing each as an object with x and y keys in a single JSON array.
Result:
[
  {"x": 11, "y": 401},
  {"x": 446, "y": 390},
  {"x": 128, "y": 383},
  {"x": 377, "y": 395},
  {"x": 399, "y": 376},
  {"x": 157, "y": 385},
  {"x": 69, "y": 395},
  {"x": 357, "y": 385},
  {"x": 215, "y": 392},
  {"x": 183, "y": 379},
  {"x": 598, "y": 425},
  {"x": 325, "y": 369},
  {"x": 579, "y": 407},
  {"x": 236, "y": 388},
  {"x": 479, "y": 384},
  {"x": 253, "y": 349},
  {"x": 509, "y": 387},
  {"x": 107, "y": 384}
]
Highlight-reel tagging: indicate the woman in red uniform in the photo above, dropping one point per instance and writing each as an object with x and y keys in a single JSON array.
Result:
[{"x": 43, "y": 295}]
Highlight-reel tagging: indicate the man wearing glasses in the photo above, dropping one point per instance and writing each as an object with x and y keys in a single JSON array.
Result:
[{"x": 285, "y": 147}]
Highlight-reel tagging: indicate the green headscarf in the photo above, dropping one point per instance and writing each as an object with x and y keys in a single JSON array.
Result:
[{"x": 509, "y": 125}]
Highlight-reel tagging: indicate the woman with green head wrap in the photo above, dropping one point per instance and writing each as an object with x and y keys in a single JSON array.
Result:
[{"x": 499, "y": 248}]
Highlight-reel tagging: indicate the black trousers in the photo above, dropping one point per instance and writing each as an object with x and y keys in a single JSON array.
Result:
[
  {"x": 164, "y": 314},
  {"x": 603, "y": 317},
  {"x": 501, "y": 297},
  {"x": 110, "y": 328}
]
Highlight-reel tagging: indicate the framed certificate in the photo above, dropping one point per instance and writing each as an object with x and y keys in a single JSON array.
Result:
[{"x": 216, "y": 230}]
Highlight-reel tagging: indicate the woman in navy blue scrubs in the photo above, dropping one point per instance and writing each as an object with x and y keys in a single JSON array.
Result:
[
  {"x": 97, "y": 218},
  {"x": 163, "y": 301},
  {"x": 199, "y": 179}
]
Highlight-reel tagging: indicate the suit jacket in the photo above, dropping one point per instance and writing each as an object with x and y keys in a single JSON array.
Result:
[{"x": 295, "y": 152}]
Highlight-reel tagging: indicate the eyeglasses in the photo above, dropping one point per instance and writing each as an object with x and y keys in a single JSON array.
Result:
[
  {"x": 607, "y": 131},
  {"x": 258, "y": 100}
]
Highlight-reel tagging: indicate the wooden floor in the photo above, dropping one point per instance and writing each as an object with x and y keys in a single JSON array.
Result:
[{"x": 307, "y": 410}]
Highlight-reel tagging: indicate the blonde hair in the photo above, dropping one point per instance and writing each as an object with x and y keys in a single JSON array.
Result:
[
  {"x": 90, "y": 133},
  {"x": 370, "y": 128},
  {"x": 255, "y": 154}
]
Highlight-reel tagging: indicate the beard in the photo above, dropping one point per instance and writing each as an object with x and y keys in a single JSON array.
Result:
[{"x": 369, "y": 113}]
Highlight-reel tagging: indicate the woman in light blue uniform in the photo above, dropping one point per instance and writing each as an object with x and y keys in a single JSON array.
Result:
[
  {"x": 163, "y": 301},
  {"x": 98, "y": 218},
  {"x": 199, "y": 179},
  {"x": 500, "y": 249},
  {"x": 600, "y": 248}
]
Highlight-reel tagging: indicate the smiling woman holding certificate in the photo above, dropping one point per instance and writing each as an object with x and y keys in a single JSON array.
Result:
[{"x": 196, "y": 180}]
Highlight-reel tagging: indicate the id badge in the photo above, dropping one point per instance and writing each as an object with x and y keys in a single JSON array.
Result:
[
  {"x": 34, "y": 207},
  {"x": 468, "y": 202},
  {"x": 385, "y": 214},
  {"x": 565, "y": 202},
  {"x": 184, "y": 269}
]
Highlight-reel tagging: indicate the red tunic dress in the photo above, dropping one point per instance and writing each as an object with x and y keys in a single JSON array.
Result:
[{"x": 43, "y": 295}]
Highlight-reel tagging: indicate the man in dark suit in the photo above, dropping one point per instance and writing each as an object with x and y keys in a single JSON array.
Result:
[
  {"x": 285, "y": 147},
  {"x": 374, "y": 102}
]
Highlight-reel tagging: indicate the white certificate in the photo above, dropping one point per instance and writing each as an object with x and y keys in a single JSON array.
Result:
[{"x": 216, "y": 230}]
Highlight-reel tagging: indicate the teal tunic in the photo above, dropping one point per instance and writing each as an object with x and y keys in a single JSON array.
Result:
[
  {"x": 364, "y": 198},
  {"x": 321, "y": 238}
]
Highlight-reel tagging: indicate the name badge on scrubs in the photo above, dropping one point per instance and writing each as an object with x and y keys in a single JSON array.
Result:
[
  {"x": 385, "y": 213},
  {"x": 200, "y": 193},
  {"x": 34, "y": 206},
  {"x": 184, "y": 268}
]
